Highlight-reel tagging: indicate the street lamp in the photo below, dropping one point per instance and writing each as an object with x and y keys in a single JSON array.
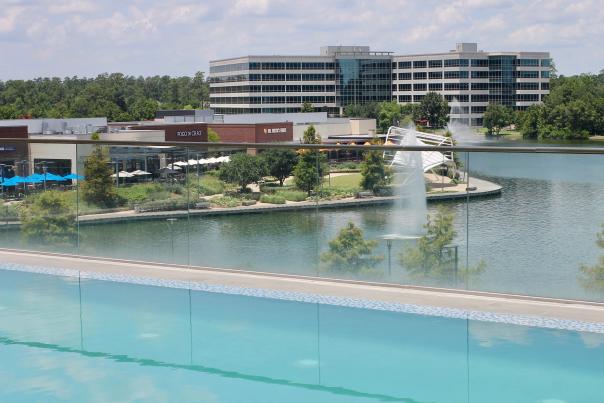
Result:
[
  {"x": 394, "y": 237},
  {"x": 452, "y": 248}
]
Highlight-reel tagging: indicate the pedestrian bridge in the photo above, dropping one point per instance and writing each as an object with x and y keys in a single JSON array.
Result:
[{"x": 411, "y": 137}]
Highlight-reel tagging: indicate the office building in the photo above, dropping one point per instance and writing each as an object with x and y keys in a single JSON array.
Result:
[{"x": 468, "y": 78}]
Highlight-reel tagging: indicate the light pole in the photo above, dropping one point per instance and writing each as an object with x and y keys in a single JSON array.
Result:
[
  {"x": 394, "y": 237},
  {"x": 171, "y": 222},
  {"x": 455, "y": 249}
]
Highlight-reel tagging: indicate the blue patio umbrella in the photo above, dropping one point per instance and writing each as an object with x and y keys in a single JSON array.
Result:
[
  {"x": 14, "y": 181},
  {"x": 52, "y": 177},
  {"x": 34, "y": 178},
  {"x": 74, "y": 176}
]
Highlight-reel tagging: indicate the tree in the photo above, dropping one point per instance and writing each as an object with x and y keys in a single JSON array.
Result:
[
  {"x": 495, "y": 118},
  {"x": 530, "y": 120},
  {"x": 390, "y": 114},
  {"x": 307, "y": 107},
  {"x": 431, "y": 258},
  {"x": 374, "y": 173},
  {"x": 311, "y": 165},
  {"x": 213, "y": 137},
  {"x": 435, "y": 109},
  {"x": 47, "y": 218},
  {"x": 592, "y": 277},
  {"x": 98, "y": 186},
  {"x": 281, "y": 163},
  {"x": 243, "y": 169},
  {"x": 369, "y": 110},
  {"x": 350, "y": 252}
]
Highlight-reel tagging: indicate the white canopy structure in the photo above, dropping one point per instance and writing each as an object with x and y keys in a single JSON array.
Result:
[
  {"x": 430, "y": 159},
  {"x": 138, "y": 172},
  {"x": 123, "y": 174}
]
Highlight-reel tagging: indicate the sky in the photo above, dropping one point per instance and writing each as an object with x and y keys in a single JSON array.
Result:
[{"x": 59, "y": 38}]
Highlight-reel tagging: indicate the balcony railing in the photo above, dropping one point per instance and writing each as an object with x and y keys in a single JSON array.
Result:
[{"x": 518, "y": 220}]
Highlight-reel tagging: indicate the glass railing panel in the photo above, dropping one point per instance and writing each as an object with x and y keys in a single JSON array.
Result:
[
  {"x": 257, "y": 218},
  {"x": 541, "y": 236},
  {"x": 133, "y": 202},
  {"x": 38, "y": 206}
]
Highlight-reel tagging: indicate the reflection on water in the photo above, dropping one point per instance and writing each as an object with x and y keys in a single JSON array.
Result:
[{"x": 104, "y": 341}]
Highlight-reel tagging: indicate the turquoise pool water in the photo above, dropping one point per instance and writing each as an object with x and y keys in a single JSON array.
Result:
[{"x": 65, "y": 340}]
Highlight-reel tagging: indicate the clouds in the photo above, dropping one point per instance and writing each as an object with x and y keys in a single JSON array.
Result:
[{"x": 86, "y": 37}]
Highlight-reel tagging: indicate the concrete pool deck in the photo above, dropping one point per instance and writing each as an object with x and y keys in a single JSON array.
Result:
[{"x": 493, "y": 307}]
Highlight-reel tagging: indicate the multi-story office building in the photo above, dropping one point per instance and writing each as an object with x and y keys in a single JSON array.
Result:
[
  {"x": 468, "y": 78},
  {"x": 341, "y": 75}
]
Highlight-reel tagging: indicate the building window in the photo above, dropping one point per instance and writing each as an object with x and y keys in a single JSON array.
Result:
[
  {"x": 435, "y": 75},
  {"x": 418, "y": 98},
  {"x": 273, "y": 77},
  {"x": 404, "y": 76},
  {"x": 435, "y": 63},
  {"x": 313, "y": 77},
  {"x": 419, "y": 87},
  {"x": 480, "y": 98},
  {"x": 419, "y": 75},
  {"x": 273, "y": 66},
  {"x": 420, "y": 64},
  {"x": 435, "y": 86},
  {"x": 480, "y": 62},
  {"x": 313, "y": 66},
  {"x": 457, "y": 98},
  {"x": 404, "y": 65},
  {"x": 456, "y": 86},
  {"x": 479, "y": 109},
  {"x": 404, "y": 98},
  {"x": 527, "y": 86},
  {"x": 480, "y": 86},
  {"x": 456, "y": 74},
  {"x": 404, "y": 87},
  {"x": 527, "y": 74},
  {"x": 546, "y": 62},
  {"x": 528, "y": 62},
  {"x": 527, "y": 97},
  {"x": 457, "y": 62},
  {"x": 480, "y": 74},
  {"x": 292, "y": 66},
  {"x": 545, "y": 74},
  {"x": 544, "y": 86}
]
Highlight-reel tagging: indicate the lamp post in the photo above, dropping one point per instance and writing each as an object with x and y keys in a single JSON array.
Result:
[
  {"x": 455, "y": 249},
  {"x": 389, "y": 241},
  {"x": 171, "y": 222}
]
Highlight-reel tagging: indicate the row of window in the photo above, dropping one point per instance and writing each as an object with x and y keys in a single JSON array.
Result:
[
  {"x": 292, "y": 66},
  {"x": 474, "y": 86},
  {"x": 422, "y": 64},
  {"x": 292, "y": 77},
  {"x": 482, "y": 98},
  {"x": 273, "y": 100},
  {"x": 455, "y": 74}
]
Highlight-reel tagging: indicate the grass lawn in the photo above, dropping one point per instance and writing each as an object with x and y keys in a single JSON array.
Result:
[{"x": 348, "y": 180}]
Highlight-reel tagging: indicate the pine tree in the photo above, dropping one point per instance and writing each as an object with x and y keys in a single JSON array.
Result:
[{"x": 98, "y": 187}]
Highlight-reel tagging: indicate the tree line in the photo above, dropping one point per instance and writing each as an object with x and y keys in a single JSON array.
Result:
[
  {"x": 117, "y": 96},
  {"x": 574, "y": 109}
]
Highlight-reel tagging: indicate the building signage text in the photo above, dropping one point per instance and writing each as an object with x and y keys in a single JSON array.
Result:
[
  {"x": 276, "y": 130},
  {"x": 189, "y": 133}
]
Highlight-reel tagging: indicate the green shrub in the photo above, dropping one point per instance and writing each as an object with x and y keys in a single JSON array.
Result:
[
  {"x": 335, "y": 193},
  {"x": 226, "y": 201},
  {"x": 164, "y": 205},
  {"x": 272, "y": 199},
  {"x": 292, "y": 195},
  {"x": 48, "y": 218},
  {"x": 210, "y": 185},
  {"x": 9, "y": 212},
  {"x": 274, "y": 187},
  {"x": 144, "y": 192}
]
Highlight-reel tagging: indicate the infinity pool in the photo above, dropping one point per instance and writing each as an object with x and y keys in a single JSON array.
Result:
[{"x": 68, "y": 340}]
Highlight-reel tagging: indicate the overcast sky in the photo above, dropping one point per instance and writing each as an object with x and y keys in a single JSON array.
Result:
[{"x": 179, "y": 37}]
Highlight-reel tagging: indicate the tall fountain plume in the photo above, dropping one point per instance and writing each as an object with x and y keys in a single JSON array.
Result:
[{"x": 409, "y": 216}]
